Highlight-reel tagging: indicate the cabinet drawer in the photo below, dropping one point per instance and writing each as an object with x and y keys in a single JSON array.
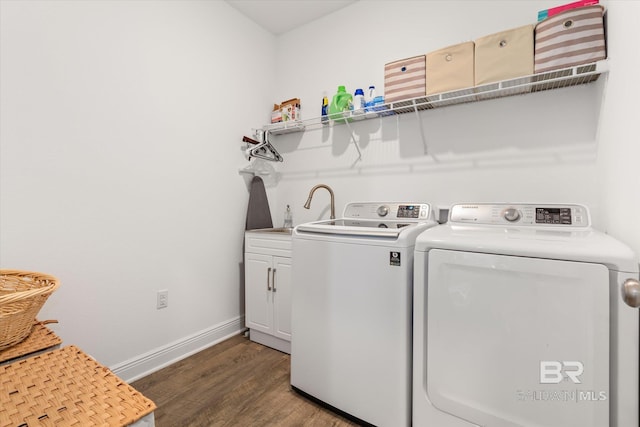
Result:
[{"x": 267, "y": 243}]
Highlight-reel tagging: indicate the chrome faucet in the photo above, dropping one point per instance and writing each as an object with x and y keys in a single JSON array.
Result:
[{"x": 307, "y": 205}]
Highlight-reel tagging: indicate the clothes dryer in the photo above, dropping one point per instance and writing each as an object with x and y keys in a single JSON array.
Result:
[{"x": 522, "y": 317}]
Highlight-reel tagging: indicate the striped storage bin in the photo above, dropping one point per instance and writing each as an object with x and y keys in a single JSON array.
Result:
[
  {"x": 404, "y": 79},
  {"x": 570, "y": 38}
]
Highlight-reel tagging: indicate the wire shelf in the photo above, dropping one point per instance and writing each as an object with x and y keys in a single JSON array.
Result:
[{"x": 556, "y": 79}]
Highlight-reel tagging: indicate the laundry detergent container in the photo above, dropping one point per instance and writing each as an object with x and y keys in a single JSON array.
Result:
[
  {"x": 450, "y": 68},
  {"x": 570, "y": 38}
]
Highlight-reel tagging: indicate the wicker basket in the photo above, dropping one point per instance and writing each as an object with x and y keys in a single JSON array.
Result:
[{"x": 22, "y": 295}]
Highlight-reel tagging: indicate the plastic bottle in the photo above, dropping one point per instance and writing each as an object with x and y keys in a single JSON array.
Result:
[
  {"x": 379, "y": 107},
  {"x": 325, "y": 108},
  {"x": 358, "y": 102},
  {"x": 288, "y": 218},
  {"x": 369, "y": 97},
  {"x": 377, "y": 104},
  {"x": 340, "y": 102}
]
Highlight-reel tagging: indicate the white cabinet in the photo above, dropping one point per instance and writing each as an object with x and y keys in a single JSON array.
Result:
[{"x": 267, "y": 267}]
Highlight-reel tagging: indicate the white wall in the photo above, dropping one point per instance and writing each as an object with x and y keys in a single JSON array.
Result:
[
  {"x": 121, "y": 124},
  {"x": 619, "y": 144},
  {"x": 557, "y": 146},
  {"x": 120, "y": 149}
]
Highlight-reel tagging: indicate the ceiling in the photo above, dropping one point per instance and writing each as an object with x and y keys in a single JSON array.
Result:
[{"x": 280, "y": 16}]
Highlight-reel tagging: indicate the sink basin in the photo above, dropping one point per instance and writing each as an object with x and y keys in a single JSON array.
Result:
[{"x": 280, "y": 230}]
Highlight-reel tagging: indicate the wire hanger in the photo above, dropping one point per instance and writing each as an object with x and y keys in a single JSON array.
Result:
[{"x": 263, "y": 150}]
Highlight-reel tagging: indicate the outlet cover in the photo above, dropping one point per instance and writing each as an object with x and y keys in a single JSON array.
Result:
[{"x": 162, "y": 300}]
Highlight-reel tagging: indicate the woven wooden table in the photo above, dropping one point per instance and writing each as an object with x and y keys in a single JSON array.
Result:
[
  {"x": 41, "y": 338},
  {"x": 66, "y": 387}
]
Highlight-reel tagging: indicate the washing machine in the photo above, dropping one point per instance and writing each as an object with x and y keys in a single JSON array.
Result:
[
  {"x": 524, "y": 316},
  {"x": 351, "y": 310}
]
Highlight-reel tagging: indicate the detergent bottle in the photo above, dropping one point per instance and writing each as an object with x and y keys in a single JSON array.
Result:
[
  {"x": 358, "y": 102},
  {"x": 369, "y": 97},
  {"x": 341, "y": 102},
  {"x": 325, "y": 109}
]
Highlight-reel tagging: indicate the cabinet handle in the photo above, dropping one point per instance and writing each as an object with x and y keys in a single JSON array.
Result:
[
  {"x": 273, "y": 279},
  {"x": 268, "y": 284}
]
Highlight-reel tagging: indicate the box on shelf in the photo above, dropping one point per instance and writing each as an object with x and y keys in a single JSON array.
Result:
[
  {"x": 276, "y": 114},
  {"x": 570, "y": 38},
  {"x": 450, "y": 68},
  {"x": 404, "y": 79},
  {"x": 290, "y": 109},
  {"x": 286, "y": 111},
  {"x": 504, "y": 55},
  {"x": 547, "y": 13}
]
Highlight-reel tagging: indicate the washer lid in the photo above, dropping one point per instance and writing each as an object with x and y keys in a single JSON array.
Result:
[{"x": 346, "y": 226}]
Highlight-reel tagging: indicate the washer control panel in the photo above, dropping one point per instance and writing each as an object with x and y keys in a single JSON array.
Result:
[
  {"x": 555, "y": 215},
  {"x": 377, "y": 210}
]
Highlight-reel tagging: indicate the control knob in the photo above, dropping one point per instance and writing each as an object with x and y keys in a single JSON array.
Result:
[
  {"x": 511, "y": 214},
  {"x": 383, "y": 210}
]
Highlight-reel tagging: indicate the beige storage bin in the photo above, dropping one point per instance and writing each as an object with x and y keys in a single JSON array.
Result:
[
  {"x": 570, "y": 38},
  {"x": 450, "y": 68},
  {"x": 404, "y": 79},
  {"x": 504, "y": 55}
]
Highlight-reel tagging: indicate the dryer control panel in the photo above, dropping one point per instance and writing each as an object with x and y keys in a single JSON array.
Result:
[{"x": 520, "y": 214}]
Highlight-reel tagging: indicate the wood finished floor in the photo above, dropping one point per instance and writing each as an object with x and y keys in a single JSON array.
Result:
[{"x": 234, "y": 383}]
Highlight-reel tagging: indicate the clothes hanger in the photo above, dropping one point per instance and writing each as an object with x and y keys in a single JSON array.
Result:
[{"x": 263, "y": 150}]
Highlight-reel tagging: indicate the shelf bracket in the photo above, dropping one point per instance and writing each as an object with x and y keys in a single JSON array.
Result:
[
  {"x": 353, "y": 138},
  {"x": 424, "y": 140}
]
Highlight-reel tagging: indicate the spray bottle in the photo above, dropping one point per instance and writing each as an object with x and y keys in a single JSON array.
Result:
[{"x": 288, "y": 218}]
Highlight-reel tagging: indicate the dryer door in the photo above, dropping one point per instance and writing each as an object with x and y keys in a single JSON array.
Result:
[{"x": 514, "y": 341}]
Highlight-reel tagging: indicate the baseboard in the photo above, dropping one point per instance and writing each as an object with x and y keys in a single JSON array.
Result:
[
  {"x": 147, "y": 363},
  {"x": 270, "y": 341}
]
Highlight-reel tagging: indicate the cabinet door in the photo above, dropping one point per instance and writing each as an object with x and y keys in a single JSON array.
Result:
[
  {"x": 282, "y": 298},
  {"x": 258, "y": 296}
]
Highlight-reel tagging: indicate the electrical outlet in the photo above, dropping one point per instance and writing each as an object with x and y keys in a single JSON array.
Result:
[{"x": 162, "y": 299}]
